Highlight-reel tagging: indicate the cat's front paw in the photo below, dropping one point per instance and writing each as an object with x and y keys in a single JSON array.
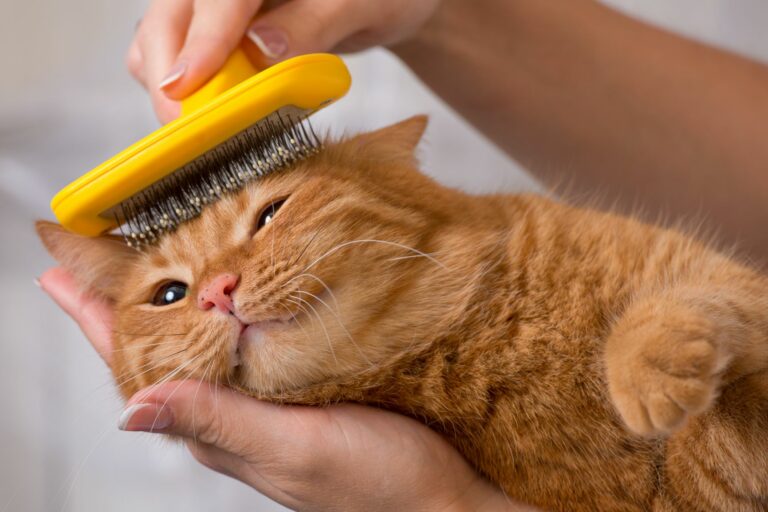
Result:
[{"x": 658, "y": 377}]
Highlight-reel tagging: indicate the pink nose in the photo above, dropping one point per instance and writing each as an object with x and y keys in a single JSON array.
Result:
[{"x": 218, "y": 293}]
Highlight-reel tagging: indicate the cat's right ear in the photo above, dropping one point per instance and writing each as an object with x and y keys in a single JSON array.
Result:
[{"x": 96, "y": 263}]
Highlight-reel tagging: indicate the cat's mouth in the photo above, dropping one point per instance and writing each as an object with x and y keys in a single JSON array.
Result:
[{"x": 254, "y": 333}]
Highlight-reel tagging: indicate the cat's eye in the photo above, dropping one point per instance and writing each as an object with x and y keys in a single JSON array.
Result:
[
  {"x": 170, "y": 293},
  {"x": 268, "y": 214}
]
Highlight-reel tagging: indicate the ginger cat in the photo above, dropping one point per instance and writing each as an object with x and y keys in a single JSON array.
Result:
[{"x": 580, "y": 360}]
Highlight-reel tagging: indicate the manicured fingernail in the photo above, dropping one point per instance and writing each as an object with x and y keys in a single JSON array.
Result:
[
  {"x": 37, "y": 283},
  {"x": 272, "y": 42},
  {"x": 176, "y": 72},
  {"x": 145, "y": 418}
]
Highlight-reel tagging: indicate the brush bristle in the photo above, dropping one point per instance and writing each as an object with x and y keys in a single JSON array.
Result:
[{"x": 272, "y": 144}]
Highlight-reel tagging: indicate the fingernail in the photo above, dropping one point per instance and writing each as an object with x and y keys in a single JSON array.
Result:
[
  {"x": 174, "y": 74},
  {"x": 272, "y": 42},
  {"x": 145, "y": 418}
]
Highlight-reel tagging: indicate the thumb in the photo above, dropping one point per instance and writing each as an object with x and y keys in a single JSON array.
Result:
[
  {"x": 213, "y": 415},
  {"x": 300, "y": 27}
]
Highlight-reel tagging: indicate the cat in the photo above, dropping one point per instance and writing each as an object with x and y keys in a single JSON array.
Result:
[{"x": 579, "y": 359}]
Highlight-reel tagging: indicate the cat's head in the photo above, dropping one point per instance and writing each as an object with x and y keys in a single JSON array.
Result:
[{"x": 315, "y": 272}]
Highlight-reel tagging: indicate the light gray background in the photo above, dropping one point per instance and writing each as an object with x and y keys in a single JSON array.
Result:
[{"x": 66, "y": 103}]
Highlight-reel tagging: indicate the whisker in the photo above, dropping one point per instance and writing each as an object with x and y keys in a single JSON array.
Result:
[
  {"x": 144, "y": 345},
  {"x": 170, "y": 375},
  {"x": 322, "y": 283},
  {"x": 305, "y": 248},
  {"x": 346, "y": 331},
  {"x": 194, "y": 400},
  {"x": 81, "y": 466},
  {"x": 151, "y": 364},
  {"x": 385, "y": 242},
  {"x": 322, "y": 324},
  {"x": 147, "y": 335},
  {"x": 301, "y": 326}
]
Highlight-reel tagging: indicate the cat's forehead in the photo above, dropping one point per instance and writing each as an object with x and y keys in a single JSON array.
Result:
[{"x": 226, "y": 223}]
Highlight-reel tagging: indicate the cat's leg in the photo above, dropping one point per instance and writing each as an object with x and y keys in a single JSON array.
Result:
[{"x": 668, "y": 355}]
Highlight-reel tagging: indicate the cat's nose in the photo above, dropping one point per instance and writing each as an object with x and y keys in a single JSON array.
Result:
[{"x": 218, "y": 292}]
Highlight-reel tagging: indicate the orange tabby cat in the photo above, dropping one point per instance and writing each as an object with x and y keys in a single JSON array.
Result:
[{"x": 581, "y": 360}]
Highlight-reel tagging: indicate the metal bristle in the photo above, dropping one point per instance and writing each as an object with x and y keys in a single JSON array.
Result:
[{"x": 270, "y": 145}]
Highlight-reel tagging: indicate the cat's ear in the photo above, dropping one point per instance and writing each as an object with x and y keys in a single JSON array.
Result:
[
  {"x": 397, "y": 141},
  {"x": 97, "y": 263}
]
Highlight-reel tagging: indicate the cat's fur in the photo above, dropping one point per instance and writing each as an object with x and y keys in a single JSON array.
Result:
[{"x": 581, "y": 360}]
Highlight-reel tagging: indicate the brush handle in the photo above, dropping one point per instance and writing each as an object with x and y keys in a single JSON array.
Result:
[{"x": 237, "y": 68}]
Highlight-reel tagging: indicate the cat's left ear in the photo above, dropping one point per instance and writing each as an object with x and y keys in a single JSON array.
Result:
[
  {"x": 97, "y": 264},
  {"x": 394, "y": 142}
]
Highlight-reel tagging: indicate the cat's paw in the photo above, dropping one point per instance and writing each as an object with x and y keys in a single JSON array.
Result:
[{"x": 658, "y": 378}]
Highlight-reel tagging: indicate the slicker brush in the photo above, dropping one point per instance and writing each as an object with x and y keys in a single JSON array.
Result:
[
  {"x": 240, "y": 126},
  {"x": 272, "y": 144}
]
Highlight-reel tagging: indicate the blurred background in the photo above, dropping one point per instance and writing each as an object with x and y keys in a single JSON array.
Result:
[{"x": 66, "y": 104}]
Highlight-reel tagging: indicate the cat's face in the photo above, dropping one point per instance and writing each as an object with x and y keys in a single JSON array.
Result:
[{"x": 299, "y": 278}]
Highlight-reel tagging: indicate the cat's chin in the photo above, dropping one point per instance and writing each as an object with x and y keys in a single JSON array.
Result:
[{"x": 253, "y": 336}]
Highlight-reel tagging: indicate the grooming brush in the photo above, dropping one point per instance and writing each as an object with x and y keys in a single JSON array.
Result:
[{"x": 241, "y": 125}]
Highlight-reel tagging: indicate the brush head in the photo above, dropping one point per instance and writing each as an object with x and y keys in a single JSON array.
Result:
[
  {"x": 274, "y": 143},
  {"x": 238, "y": 126}
]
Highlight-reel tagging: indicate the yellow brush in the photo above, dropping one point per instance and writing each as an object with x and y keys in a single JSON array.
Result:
[{"x": 240, "y": 125}]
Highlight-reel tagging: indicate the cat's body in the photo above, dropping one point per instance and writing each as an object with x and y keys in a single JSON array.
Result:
[{"x": 581, "y": 360}]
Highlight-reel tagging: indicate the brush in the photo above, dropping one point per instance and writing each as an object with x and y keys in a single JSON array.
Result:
[{"x": 240, "y": 126}]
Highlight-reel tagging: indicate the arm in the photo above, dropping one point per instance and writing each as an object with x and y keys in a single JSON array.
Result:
[{"x": 582, "y": 94}]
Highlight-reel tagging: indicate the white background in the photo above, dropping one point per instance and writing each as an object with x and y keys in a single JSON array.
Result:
[{"x": 66, "y": 103}]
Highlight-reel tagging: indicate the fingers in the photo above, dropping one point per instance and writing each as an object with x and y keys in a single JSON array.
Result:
[
  {"x": 159, "y": 39},
  {"x": 217, "y": 27},
  {"x": 214, "y": 416},
  {"x": 307, "y": 26},
  {"x": 93, "y": 315}
]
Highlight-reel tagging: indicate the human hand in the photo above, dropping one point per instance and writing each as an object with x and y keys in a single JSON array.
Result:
[
  {"x": 180, "y": 44},
  {"x": 345, "y": 457}
]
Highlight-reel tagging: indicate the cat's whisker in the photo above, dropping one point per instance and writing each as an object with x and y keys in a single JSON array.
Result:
[
  {"x": 293, "y": 317},
  {"x": 385, "y": 242},
  {"x": 322, "y": 325},
  {"x": 194, "y": 399},
  {"x": 148, "y": 367},
  {"x": 301, "y": 253},
  {"x": 168, "y": 378},
  {"x": 145, "y": 345},
  {"x": 322, "y": 283},
  {"x": 170, "y": 375},
  {"x": 300, "y": 306},
  {"x": 344, "y": 327},
  {"x": 141, "y": 334},
  {"x": 77, "y": 472},
  {"x": 409, "y": 257}
]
